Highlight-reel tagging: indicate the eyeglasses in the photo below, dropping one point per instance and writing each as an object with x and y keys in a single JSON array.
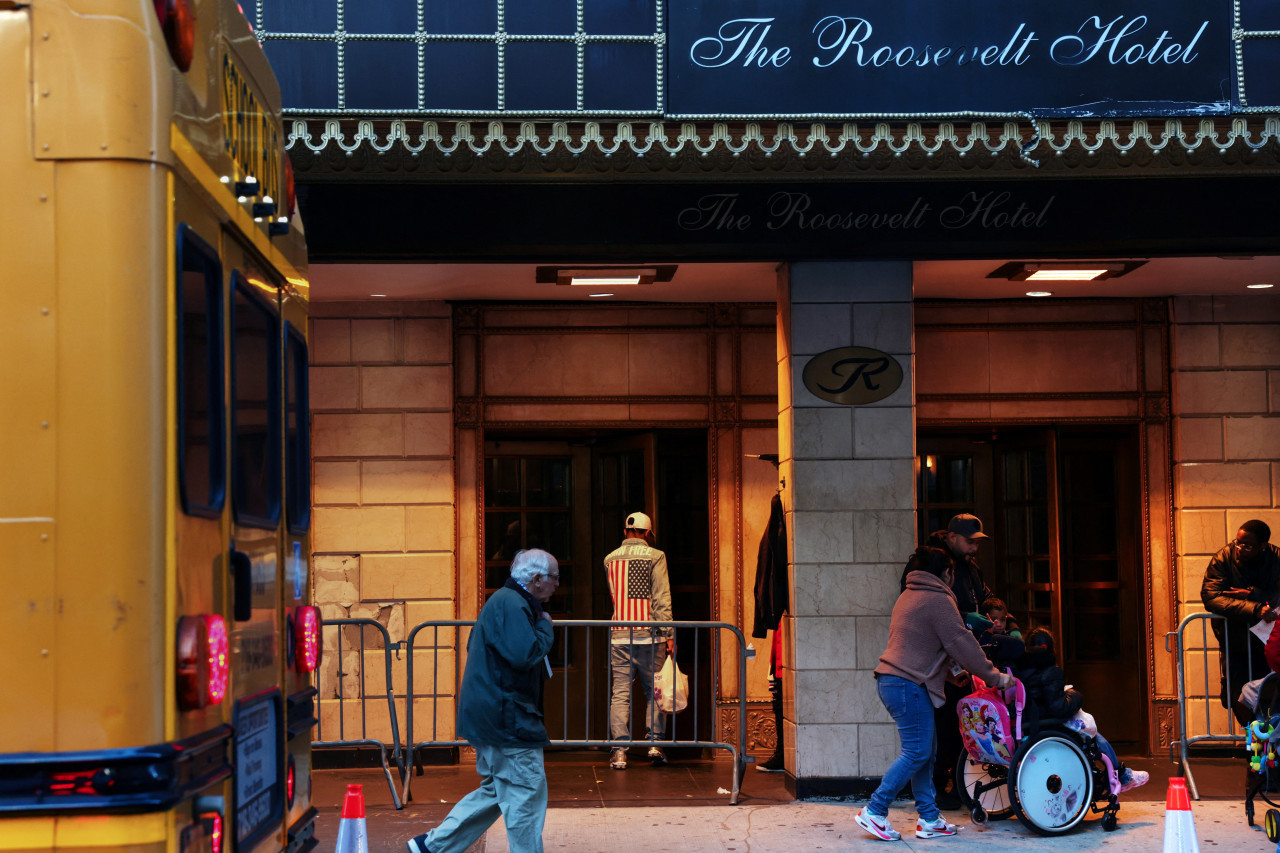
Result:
[
  {"x": 1245, "y": 546},
  {"x": 555, "y": 578}
]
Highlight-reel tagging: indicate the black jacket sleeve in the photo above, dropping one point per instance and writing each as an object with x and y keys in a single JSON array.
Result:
[
  {"x": 1222, "y": 575},
  {"x": 772, "y": 593}
]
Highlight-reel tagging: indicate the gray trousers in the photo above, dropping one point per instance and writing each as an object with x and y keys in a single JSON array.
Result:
[
  {"x": 627, "y": 661},
  {"x": 514, "y": 786}
]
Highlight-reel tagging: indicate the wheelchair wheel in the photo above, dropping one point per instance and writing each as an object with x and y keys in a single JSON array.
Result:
[
  {"x": 994, "y": 801},
  {"x": 1271, "y": 823},
  {"x": 1050, "y": 783}
]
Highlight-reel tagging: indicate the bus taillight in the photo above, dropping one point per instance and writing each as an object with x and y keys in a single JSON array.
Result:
[
  {"x": 306, "y": 639},
  {"x": 213, "y": 830},
  {"x": 219, "y": 658},
  {"x": 179, "y": 27},
  {"x": 203, "y": 661}
]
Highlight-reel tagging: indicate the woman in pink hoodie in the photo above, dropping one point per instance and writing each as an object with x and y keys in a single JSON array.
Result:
[{"x": 928, "y": 643}]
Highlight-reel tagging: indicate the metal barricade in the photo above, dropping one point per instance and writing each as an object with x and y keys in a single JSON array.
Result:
[
  {"x": 361, "y": 693},
  {"x": 592, "y": 675},
  {"x": 1199, "y": 672}
]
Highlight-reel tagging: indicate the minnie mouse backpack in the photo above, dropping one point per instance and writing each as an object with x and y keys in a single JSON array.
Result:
[{"x": 989, "y": 735}]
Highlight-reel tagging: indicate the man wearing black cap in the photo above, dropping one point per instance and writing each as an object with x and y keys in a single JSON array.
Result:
[
  {"x": 960, "y": 539},
  {"x": 1242, "y": 583}
]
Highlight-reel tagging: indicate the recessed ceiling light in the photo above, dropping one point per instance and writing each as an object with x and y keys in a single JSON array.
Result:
[
  {"x": 1064, "y": 271},
  {"x": 1259, "y": 286},
  {"x": 598, "y": 295},
  {"x": 1039, "y": 293},
  {"x": 606, "y": 276}
]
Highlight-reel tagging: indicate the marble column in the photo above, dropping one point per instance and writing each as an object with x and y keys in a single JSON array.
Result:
[{"x": 850, "y": 501}]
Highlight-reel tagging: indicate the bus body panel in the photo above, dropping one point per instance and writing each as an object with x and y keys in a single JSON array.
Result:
[
  {"x": 112, "y": 446},
  {"x": 125, "y": 113},
  {"x": 27, "y": 321},
  {"x": 27, "y": 339}
]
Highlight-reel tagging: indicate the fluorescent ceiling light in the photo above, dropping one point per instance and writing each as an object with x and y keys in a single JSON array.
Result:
[
  {"x": 1259, "y": 286},
  {"x": 610, "y": 280},
  {"x": 605, "y": 276},
  {"x": 1062, "y": 271},
  {"x": 1039, "y": 293},
  {"x": 598, "y": 295},
  {"x": 1067, "y": 275}
]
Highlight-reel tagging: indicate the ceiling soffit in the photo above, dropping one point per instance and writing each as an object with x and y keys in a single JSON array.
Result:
[{"x": 324, "y": 148}]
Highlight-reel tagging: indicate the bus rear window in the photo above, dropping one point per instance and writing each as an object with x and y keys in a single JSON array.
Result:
[
  {"x": 255, "y": 413},
  {"x": 297, "y": 432},
  {"x": 201, "y": 457}
]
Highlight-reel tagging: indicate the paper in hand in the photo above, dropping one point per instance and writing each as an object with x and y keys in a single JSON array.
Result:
[{"x": 1262, "y": 630}]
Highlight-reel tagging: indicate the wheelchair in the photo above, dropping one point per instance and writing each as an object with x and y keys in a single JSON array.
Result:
[{"x": 1054, "y": 778}]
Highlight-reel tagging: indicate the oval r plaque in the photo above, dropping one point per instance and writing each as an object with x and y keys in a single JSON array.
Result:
[{"x": 852, "y": 376}]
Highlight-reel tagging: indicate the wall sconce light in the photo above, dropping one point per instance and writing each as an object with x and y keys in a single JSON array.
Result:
[
  {"x": 1074, "y": 271},
  {"x": 605, "y": 276}
]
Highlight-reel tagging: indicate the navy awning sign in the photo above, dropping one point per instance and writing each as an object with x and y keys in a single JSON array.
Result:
[{"x": 835, "y": 58}]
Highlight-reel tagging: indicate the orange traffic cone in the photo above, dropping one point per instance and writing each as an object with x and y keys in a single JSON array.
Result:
[
  {"x": 1179, "y": 830},
  {"x": 352, "y": 836}
]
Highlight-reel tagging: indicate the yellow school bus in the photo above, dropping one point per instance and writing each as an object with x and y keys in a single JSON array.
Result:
[{"x": 158, "y": 647}]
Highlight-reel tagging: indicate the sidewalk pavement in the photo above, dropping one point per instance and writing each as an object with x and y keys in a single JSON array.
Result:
[
  {"x": 766, "y": 822},
  {"x": 818, "y": 826}
]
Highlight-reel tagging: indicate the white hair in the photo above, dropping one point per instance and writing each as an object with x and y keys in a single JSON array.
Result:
[{"x": 530, "y": 564}]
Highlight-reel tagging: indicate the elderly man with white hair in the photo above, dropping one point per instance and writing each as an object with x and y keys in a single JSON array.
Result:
[{"x": 500, "y": 713}]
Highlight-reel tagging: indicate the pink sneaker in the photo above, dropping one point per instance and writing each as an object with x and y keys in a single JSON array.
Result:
[
  {"x": 1137, "y": 778},
  {"x": 876, "y": 825}
]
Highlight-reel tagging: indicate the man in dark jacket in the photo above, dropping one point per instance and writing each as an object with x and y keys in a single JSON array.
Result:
[
  {"x": 960, "y": 539},
  {"x": 1242, "y": 583},
  {"x": 500, "y": 713}
]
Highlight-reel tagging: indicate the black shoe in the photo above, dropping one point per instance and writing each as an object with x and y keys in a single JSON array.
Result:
[
  {"x": 948, "y": 801},
  {"x": 418, "y": 844},
  {"x": 773, "y": 765}
]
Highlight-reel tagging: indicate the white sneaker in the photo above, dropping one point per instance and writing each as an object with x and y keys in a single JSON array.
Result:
[
  {"x": 619, "y": 759},
  {"x": 876, "y": 825},
  {"x": 657, "y": 756},
  {"x": 936, "y": 828}
]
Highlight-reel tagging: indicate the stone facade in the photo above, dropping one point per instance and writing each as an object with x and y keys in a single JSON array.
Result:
[
  {"x": 384, "y": 498},
  {"x": 1226, "y": 410},
  {"x": 851, "y": 515}
]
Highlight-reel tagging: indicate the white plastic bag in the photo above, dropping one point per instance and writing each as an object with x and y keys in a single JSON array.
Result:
[
  {"x": 1084, "y": 724},
  {"x": 671, "y": 688}
]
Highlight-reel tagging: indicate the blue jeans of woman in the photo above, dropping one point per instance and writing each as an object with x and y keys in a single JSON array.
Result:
[{"x": 912, "y": 709}]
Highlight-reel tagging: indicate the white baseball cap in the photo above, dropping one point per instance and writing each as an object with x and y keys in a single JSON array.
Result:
[{"x": 638, "y": 521}]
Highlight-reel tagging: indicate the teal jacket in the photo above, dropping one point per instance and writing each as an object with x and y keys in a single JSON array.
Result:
[{"x": 501, "y": 702}]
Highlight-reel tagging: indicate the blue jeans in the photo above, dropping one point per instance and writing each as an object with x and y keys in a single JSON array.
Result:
[
  {"x": 514, "y": 787},
  {"x": 1110, "y": 752},
  {"x": 626, "y": 662},
  {"x": 912, "y": 710}
]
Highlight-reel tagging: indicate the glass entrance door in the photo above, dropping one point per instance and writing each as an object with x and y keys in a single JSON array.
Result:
[
  {"x": 1061, "y": 507},
  {"x": 571, "y": 496}
]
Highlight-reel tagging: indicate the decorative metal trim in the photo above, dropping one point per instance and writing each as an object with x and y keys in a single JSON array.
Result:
[{"x": 766, "y": 147}]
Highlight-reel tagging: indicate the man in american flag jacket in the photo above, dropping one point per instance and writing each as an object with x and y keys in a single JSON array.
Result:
[{"x": 641, "y": 593}]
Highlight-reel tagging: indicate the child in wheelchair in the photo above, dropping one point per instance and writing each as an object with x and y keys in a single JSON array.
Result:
[
  {"x": 1031, "y": 751},
  {"x": 1049, "y": 697}
]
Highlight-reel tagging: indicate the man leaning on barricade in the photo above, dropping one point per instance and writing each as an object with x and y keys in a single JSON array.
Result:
[{"x": 1242, "y": 583}]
